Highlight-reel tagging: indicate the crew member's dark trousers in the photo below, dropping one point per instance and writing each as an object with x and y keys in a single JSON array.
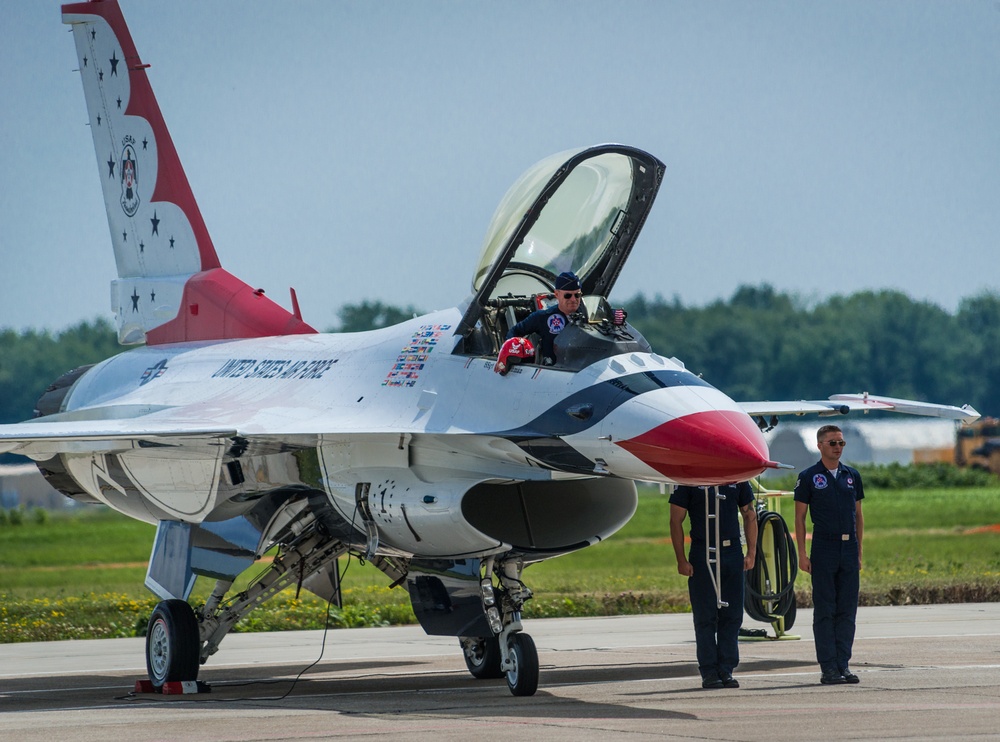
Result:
[
  {"x": 717, "y": 630},
  {"x": 835, "y": 584}
]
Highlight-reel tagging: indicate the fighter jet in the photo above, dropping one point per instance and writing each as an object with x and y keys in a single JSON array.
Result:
[{"x": 236, "y": 428}]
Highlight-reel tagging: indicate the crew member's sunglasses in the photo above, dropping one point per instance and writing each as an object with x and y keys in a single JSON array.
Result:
[
  {"x": 572, "y": 294},
  {"x": 836, "y": 443}
]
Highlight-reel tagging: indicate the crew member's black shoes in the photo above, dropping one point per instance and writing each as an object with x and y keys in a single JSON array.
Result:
[
  {"x": 832, "y": 677},
  {"x": 712, "y": 682},
  {"x": 728, "y": 681},
  {"x": 850, "y": 677}
]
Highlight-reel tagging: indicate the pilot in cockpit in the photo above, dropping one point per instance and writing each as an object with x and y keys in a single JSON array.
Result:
[{"x": 550, "y": 322}]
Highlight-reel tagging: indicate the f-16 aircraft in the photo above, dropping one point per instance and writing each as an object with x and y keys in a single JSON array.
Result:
[{"x": 237, "y": 428}]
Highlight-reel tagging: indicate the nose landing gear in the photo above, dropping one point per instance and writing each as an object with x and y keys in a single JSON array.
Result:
[{"x": 509, "y": 652}]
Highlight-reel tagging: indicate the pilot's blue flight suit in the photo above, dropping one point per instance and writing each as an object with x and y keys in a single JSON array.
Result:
[
  {"x": 836, "y": 571},
  {"x": 716, "y": 630},
  {"x": 547, "y": 323}
]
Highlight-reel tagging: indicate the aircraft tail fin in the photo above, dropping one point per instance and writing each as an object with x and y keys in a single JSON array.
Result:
[{"x": 170, "y": 286}]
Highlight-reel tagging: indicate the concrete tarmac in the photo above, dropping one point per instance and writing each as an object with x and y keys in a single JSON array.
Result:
[{"x": 927, "y": 672}]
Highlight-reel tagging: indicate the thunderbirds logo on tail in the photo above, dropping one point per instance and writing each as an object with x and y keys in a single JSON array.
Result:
[{"x": 130, "y": 179}]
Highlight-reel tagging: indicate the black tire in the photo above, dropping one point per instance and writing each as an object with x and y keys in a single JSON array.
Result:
[
  {"x": 523, "y": 679},
  {"x": 173, "y": 644},
  {"x": 482, "y": 656}
]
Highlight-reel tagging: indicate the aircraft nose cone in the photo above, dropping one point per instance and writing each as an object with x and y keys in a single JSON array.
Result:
[{"x": 708, "y": 447}]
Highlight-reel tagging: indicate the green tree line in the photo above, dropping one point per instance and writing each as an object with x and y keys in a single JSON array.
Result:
[
  {"x": 759, "y": 344},
  {"x": 762, "y": 344},
  {"x": 31, "y": 360}
]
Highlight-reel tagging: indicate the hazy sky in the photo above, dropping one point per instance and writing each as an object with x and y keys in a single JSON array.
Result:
[{"x": 357, "y": 150}]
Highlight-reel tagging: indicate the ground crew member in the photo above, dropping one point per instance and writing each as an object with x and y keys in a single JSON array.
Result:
[
  {"x": 716, "y": 630},
  {"x": 832, "y": 493}
]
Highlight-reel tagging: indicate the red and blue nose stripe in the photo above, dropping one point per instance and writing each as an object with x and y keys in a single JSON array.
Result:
[{"x": 698, "y": 443}]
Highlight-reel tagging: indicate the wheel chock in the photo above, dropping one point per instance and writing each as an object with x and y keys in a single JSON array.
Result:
[
  {"x": 173, "y": 688},
  {"x": 184, "y": 687}
]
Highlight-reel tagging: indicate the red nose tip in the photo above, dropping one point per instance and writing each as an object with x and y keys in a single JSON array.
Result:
[{"x": 712, "y": 447}]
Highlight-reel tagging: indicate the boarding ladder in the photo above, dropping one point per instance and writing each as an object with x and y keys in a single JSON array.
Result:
[{"x": 712, "y": 552}]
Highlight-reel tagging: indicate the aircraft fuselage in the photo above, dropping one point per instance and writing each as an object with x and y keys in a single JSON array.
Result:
[{"x": 419, "y": 424}]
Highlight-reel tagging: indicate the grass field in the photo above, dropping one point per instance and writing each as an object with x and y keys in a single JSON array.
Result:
[{"x": 81, "y": 575}]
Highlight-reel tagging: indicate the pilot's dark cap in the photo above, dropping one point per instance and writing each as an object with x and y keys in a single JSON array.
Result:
[{"x": 567, "y": 281}]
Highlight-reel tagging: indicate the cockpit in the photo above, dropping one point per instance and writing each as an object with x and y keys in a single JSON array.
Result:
[{"x": 577, "y": 211}]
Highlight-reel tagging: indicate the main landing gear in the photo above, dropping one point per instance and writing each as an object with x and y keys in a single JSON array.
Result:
[
  {"x": 509, "y": 652},
  {"x": 172, "y": 644},
  {"x": 447, "y": 597},
  {"x": 179, "y": 641}
]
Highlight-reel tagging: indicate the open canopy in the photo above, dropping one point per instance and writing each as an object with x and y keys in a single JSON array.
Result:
[{"x": 577, "y": 211}]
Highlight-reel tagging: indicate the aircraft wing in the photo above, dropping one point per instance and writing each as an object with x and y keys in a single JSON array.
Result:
[
  {"x": 41, "y": 440},
  {"x": 841, "y": 404}
]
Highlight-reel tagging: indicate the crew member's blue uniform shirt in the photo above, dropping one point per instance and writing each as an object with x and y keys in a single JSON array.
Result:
[
  {"x": 547, "y": 323},
  {"x": 831, "y": 500},
  {"x": 692, "y": 499}
]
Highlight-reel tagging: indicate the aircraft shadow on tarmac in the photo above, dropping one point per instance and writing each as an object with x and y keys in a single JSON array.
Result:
[
  {"x": 440, "y": 694},
  {"x": 436, "y": 693},
  {"x": 449, "y": 692},
  {"x": 378, "y": 687},
  {"x": 317, "y": 679}
]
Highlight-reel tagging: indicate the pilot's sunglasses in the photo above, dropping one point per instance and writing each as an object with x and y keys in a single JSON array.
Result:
[
  {"x": 571, "y": 295},
  {"x": 836, "y": 443}
]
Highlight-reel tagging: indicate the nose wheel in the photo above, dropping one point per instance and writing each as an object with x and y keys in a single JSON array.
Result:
[
  {"x": 172, "y": 643},
  {"x": 485, "y": 661},
  {"x": 522, "y": 677}
]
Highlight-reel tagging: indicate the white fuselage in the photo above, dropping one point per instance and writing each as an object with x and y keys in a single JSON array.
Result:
[{"x": 395, "y": 408}]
